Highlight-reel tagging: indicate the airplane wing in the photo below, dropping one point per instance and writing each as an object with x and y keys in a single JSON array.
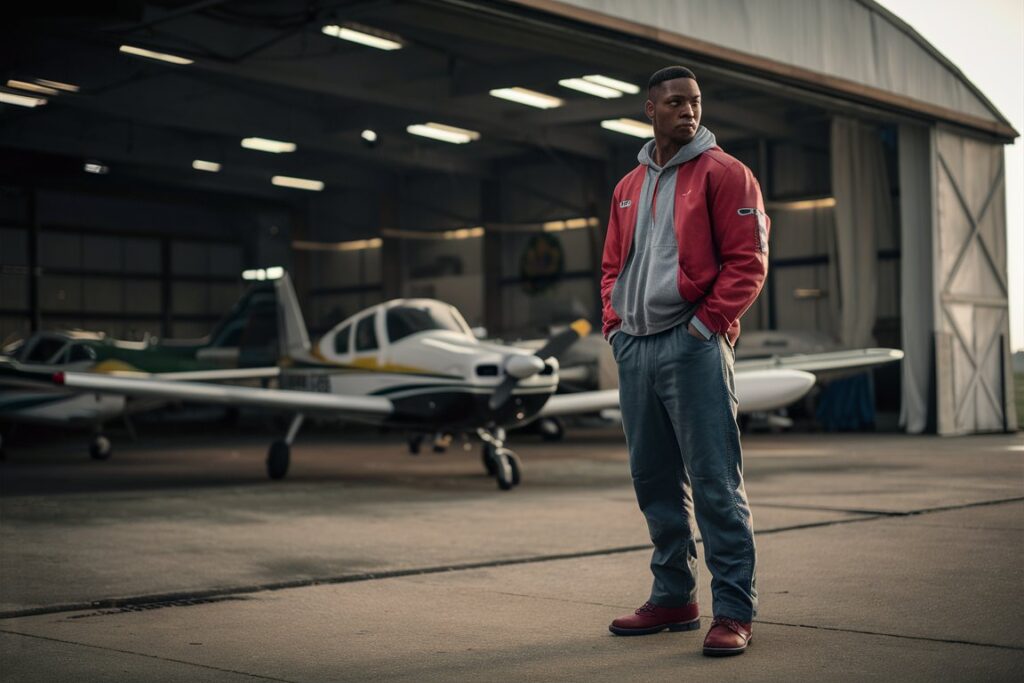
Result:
[
  {"x": 826, "y": 366},
  {"x": 756, "y": 390},
  {"x": 355, "y": 407},
  {"x": 227, "y": 374}
]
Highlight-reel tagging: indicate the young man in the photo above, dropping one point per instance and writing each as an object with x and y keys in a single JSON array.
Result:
[{"x": 685, "y": 255}]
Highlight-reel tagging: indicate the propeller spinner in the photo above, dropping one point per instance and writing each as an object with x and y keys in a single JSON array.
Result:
[{"x": 521, "y": 367}]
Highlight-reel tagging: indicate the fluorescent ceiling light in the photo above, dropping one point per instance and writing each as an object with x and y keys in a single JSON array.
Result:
[
  {"x": 570, "y": 224},
  {"x": 613, "y": 83},
  {"x": 638, "y": 129},
  {"x": 298, "y": 183},
  {"x": 364, "y": 36},
  {"x": 369, "y": 135},
  {"x": 457, "y": 234},
  {"x": 150, "y": 54},
  {"x": 464, "y": 233},
  {"x": 211, "y": 166},
  {"x": 530, "y": 98},
  {"x": 21, "y": 100},
  {"x": 96, "y": 167},
  {"x": 272, "y": 273},
  {"x": 354, "y": 245},
  {"x": 67, "y": 87},
  {"x": 32, "y": 87},
  {"x": 804, "y": 204},
  {"x": 594, "y": 89},
  {"x": 439, "y": 131},
  {"x": 267, "y": 145}
]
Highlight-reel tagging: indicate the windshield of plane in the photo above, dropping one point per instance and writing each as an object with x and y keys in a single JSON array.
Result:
[
  {"x": 403, "y": 321},
  {"x": 44, "y": 350}
]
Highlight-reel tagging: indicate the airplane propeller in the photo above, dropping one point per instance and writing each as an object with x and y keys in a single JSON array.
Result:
[{"x": 521, "y": 367}]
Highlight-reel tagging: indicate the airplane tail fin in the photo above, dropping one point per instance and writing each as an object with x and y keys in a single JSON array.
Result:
[
  {"x": 293, "y": 337},
  {"x": 247, "y": 336},
  {"x": 265, "y": 326}
]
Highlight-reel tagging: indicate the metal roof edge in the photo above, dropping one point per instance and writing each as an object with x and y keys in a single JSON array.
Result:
[
  {"x": 818, "y": 81},
  {"x": 912, "y": 33}
]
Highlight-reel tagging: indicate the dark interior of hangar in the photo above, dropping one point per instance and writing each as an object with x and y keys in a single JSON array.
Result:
[{"x": 151, "y": 244}]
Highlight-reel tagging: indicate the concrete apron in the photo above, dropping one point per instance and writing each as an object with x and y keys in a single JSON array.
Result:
[
  {"x": 874, "y": 598},
  {"x": 896, "y": 590}
]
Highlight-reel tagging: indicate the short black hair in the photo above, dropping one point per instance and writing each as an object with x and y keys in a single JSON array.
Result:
[{"x": 667, "y": 74}]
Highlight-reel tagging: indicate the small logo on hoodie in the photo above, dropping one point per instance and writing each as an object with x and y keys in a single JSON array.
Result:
[{"x": 625, "y": 203}]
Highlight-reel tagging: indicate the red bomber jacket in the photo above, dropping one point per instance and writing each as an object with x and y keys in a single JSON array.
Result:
[{"x": 722, "y": 232}]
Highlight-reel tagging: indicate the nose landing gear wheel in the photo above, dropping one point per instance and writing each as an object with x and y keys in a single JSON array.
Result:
[
  {"x": 487, "y": 456},
  {"x": 507, "y": 468},
  {"x": 277, "y": 460},
  {"x": 100, "y": 448}
]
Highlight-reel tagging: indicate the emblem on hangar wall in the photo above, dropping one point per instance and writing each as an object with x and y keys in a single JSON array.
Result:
[{"x": 542, "y": 264}]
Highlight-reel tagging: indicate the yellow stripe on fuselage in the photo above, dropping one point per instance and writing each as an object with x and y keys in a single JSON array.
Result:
[
  {"x": 370, "y": 364},
  {"x": 114, "y": 365}
]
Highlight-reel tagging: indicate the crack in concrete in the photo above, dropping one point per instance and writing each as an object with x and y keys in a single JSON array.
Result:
[
  {"x": 155, "y": 599},
  {"x": 891, "y": 513},
  {"x": 147, "y": 656},
  {"x": 930, "y": 639}
]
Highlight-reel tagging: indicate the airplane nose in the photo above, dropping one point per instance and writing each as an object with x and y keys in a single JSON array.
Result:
[{"x": 524, "y": 366}]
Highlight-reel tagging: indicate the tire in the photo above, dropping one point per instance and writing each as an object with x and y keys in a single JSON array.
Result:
[
  {"x": 100, "y": 448},
  {"x": 487, "y": 456},
  {"x": 551, "y": 429},
  {"x": 507, "y": 469},
  {"x": 517, "y": 468},
  {"x": 278, "y": 458}
]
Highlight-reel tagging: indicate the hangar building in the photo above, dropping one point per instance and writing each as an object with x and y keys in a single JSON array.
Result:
[{"x": 384, "y": 158}]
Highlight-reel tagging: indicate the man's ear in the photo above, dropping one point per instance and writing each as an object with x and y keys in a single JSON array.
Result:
[{"x": 649, "y": 110}]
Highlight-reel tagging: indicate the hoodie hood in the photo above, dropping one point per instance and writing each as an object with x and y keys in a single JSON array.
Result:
[{"x": 701, "y": 142}]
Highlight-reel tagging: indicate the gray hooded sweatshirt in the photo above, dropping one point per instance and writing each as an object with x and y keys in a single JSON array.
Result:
[{"x": 645, "y": 295}]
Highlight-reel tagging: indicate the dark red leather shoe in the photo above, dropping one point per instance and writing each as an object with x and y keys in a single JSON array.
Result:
[
  {"x": 727, "y": 637},
  {"x": 651, "y": 619}
]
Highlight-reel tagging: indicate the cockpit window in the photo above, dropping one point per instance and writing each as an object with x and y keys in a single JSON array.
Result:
[
  {"x": 403, "y": 321},
  {"x": 366, "y": 334},
  {"x": 79, "y": 353},
  {"x": 44, "y": 350},
  {"x": 341, "y": 340}
]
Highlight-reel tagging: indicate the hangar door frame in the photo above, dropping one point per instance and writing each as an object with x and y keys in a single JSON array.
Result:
[{"x": 974, "y": 384}]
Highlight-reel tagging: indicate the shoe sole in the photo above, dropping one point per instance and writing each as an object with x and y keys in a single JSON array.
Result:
[
  {"x": 726, "y": 652},
  {"x": 679, "y": 626}
]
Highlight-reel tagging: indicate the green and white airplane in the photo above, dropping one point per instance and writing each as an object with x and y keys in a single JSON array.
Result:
[{"x": 240, "y": 347}]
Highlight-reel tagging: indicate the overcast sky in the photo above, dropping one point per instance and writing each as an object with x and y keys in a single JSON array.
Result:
[{"x": 985, "y": 39}]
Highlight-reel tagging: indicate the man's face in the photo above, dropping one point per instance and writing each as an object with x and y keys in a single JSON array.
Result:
[{"x": 674, "y": 109}]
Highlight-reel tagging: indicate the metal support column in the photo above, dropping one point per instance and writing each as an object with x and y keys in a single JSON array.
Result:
[{"x": 35, "y": 272}]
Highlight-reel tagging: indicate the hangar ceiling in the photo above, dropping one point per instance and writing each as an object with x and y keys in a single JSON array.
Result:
[{"x": 267, "y": 69}]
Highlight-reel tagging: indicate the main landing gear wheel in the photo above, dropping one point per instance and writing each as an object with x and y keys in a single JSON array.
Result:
[
  {"x": 100, "y": 447},
  {"x": 507, "y": 468},
  {"x": 278, "y": 458},
  {"x": 551, "y": 428}
]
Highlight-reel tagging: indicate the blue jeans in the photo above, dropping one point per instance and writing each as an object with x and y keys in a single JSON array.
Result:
[{"x": 678, "y": 400}]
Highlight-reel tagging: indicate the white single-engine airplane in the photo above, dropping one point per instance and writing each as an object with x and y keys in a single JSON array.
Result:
[{"x": 415, "y": 364}]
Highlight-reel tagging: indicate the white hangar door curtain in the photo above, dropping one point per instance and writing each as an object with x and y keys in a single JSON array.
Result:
[{"x": 973, "y": 375}]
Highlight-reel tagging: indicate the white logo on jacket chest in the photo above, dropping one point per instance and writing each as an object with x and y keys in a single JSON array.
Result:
[{"x": 625, "y": 203}]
